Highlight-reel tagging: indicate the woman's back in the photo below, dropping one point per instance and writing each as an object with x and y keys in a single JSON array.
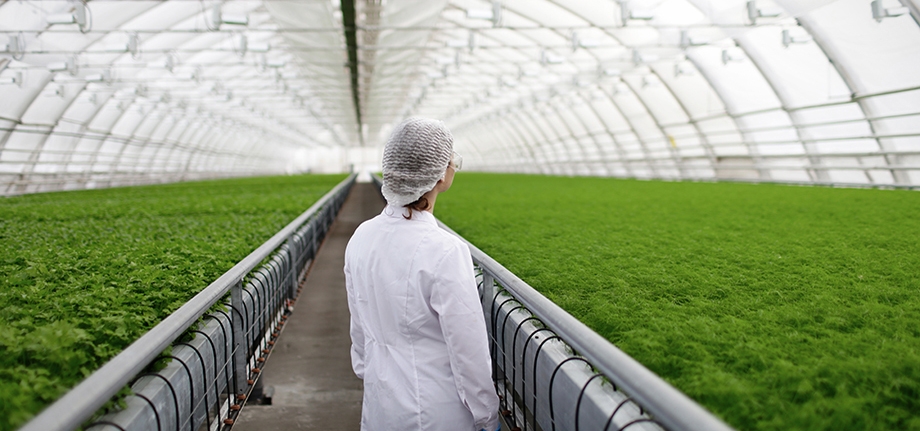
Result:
[{"x": 417, "y": 326}]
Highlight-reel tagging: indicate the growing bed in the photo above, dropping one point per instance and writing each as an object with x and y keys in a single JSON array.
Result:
[
  {"x": 83, "y": 274},
  {"x": 776, "y": 307}
]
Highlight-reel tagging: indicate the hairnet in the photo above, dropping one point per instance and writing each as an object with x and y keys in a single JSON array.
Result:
[{"x": 414, "y": 159}]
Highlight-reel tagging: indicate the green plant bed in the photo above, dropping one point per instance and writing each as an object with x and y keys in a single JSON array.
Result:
[
  {"x": 776, "y": 307},
  {"x": 85, "y": 273}
]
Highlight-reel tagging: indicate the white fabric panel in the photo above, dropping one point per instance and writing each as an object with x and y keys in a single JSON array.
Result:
[
  {"x": 860, "y": 45},
  {"x": 905, "y": 103},
  {"x": 18, "y": 98},
  {"x": 801, "y": 73},
  {"x": 740, "y": 85},
  {"x": 659, "y": 100}
]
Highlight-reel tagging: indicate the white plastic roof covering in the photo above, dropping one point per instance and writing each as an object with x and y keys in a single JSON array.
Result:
[{"x": 814, "y": 91}]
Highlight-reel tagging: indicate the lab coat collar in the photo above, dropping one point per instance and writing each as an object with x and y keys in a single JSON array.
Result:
[{"x": 402, "y": 212}]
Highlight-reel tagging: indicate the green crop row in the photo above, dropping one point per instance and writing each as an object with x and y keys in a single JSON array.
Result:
[
  {"x": 85, "y": 273},
  {"x": 776, "y": 307}
]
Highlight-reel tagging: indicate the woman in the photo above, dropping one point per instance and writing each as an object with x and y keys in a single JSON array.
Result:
[{"x": 417, "y": 329}]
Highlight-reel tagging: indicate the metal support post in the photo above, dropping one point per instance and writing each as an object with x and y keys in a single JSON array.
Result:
[
  {"x": 293, "y": 269},
  {"x": 488, "y": 295},
  {"x": 240, "y": 365}
]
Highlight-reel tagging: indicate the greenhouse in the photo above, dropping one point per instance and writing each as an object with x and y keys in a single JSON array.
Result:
[{"x": 681, "y": 214}]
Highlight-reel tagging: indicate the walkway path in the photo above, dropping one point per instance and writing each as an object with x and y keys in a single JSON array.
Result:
[{"x": 310, "y": 367}]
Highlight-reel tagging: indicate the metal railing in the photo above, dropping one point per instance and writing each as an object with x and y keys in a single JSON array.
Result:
[
  {"x": 553, "y": 372},
  {"x": 207, "y": 379}
]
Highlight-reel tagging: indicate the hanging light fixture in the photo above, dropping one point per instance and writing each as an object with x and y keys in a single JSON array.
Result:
[
  {"x": 69, "y": 65},
  {"x": 789, "y": 39},
  {"x": 79, "y": 16},
  {"x": 133, "y": 46},
  {"x": 755, "y": 12},
  {"x": 15, "y": 46},
  {"x": 879, "y": 11},
  {"x": 218, "y": 18},
  {"x": 494, "y": 15},
  {"x": 687, "y": 41},
  {"x": 626, "y": 14},
  {"x": 105, "y": 76},
  {"x": 16, "y": 78},
  {"x": 731, "y": 56}
]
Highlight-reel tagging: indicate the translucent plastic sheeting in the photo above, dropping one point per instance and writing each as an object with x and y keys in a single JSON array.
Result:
[{"x": 105, "y": 92}]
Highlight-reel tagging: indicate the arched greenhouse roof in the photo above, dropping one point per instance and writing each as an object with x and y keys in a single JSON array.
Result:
[{"x": 103, "y": 93}]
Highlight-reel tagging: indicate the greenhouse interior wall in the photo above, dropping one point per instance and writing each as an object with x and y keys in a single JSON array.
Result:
[{"x": 104, "y": 94}]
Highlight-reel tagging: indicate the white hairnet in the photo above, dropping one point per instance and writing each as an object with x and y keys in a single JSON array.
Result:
[{"x": 414, "y": 159}]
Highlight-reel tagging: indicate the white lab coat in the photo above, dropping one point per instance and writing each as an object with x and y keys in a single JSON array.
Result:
[{"x": 417, "y": 329}]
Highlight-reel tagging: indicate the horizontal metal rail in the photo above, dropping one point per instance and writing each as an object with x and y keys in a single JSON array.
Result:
[{"x": 83, "y": 401}]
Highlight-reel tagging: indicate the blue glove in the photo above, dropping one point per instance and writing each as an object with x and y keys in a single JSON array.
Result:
[{"x": 496, "y": 429}]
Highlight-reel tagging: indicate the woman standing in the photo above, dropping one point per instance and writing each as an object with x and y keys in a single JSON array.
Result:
[{"x": 417, "y": 329}]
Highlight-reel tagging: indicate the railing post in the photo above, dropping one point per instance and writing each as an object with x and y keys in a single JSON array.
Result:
[
  {"x": 240, "y": 365},
  {"x": 293, "y": 271},
  {"x": 488, "y": 295}
]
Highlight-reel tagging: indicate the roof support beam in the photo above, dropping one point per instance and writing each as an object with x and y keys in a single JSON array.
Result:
[{"x": 351, "y": 39}]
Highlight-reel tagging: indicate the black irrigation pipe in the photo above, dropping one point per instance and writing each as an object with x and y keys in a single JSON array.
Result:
[
  {"x": 156, "y": 414},
  {"x": 638, "y": 421},
  {"x": 536, "y": 358},
  {"x": 581, "y": 395},
  {"x": 172, "y": 390},
  {"x": 110, "y": 423},
  {"x": 229, "y": 357},
  {"x": 534, "y": 370},
  {"x": 552, "y": 413},
  {"x": 191, "y": 389},
  {"x": 496, "y": 350},
  {"x": 204, "y": 384},
  {"x": 615, "y": 410},
  {"x": 504, "y": 363},
  {"x": 226, "y": 349},
  {"x": 523, "y": 367}
]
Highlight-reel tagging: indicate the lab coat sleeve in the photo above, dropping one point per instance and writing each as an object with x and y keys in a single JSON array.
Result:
[
  {"x": 455, "y": 299},
  {"x": 356, "y": 329}
]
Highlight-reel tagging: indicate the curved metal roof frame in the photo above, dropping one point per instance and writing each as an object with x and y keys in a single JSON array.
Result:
[{"x": 104, "y": 93}]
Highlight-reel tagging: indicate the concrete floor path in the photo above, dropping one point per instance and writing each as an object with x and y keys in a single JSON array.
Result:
[{"x": 310, "y": 367}]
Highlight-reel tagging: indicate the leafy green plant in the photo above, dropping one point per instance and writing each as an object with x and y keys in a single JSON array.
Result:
[
  {"x": 776, "y": 307},
  {"x": 83, "y": 274}
]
